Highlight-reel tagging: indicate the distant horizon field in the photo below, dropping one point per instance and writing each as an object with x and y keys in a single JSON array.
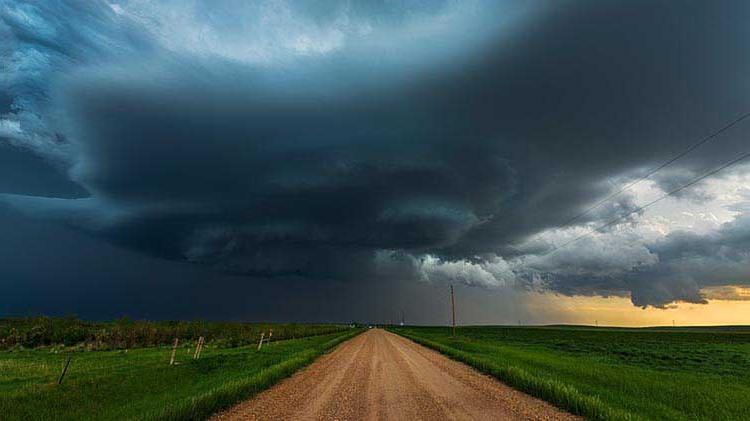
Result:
[
  {"x": 593, "y": 327},
  {"x": 123, "y": 333},
  {"x": 108, "y": 320},
  {"x": 610, "y": 373}
]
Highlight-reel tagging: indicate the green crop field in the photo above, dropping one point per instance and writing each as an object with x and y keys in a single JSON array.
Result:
[
  {"x": 668, "y": 373},
  {"x": 138, "y": 383}
]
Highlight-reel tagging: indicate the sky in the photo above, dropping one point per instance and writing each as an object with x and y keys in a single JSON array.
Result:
[{"x": 340, "y": 160}]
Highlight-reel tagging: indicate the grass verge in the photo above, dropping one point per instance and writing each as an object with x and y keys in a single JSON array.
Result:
[
  {"x": 200, "y": 407},
  {"x": 549, "y": 390}
]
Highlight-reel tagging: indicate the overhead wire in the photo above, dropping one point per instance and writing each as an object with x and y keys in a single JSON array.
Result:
[
  {"x": 715, "y": 134},
  {"x": 653, "y": 202},
  {"x": 658, "y": 168}
]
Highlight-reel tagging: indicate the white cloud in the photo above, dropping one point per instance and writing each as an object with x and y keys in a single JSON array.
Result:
[
  {"x": 489, "y": 274},
  {"x": 10, "y": 128}
]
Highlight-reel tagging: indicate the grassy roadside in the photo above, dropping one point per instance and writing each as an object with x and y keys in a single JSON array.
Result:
[
  {"x": 139, "y": 384},
  {"x": 610, "y": 374}
]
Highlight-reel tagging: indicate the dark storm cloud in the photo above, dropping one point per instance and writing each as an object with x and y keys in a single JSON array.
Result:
[
  {"x": 40, "y": 41},
  {"x": 24, "y": 173},
  {"x": 690, "y": 262},
  {"x": 396, "y": 133}
]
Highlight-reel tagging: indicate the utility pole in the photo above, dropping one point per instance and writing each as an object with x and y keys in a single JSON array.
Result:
[{"x": 453, "y": 310}]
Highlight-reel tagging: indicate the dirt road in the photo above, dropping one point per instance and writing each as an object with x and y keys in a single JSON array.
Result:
[{"x": 381, "y": 376}]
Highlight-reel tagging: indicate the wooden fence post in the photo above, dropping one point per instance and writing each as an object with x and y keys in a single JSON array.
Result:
[
  {"x": 174, "y": 350},
  {"x": 270, "y": 334},
  {"x": 198, "y": 348},
  {"x": 260, "y": 343},
  {"x": 65, "y": 370}
]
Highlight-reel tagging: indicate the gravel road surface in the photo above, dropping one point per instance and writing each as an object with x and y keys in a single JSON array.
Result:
[{"x": 381, "y": 376}]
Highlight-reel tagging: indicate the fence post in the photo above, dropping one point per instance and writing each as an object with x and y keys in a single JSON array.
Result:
[
  {"x": 198, "y": 348},
  {"x": 65, "y": 370},
  {"x": 174, "y": 350},
  {"x": 260, "y": 343}
]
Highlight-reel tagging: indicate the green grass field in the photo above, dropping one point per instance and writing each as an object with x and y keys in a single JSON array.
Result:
[
  {"x": 140, "y": 384},
  {"x": 673, "y": 373}
]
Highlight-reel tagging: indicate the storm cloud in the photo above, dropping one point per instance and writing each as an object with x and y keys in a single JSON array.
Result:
[{"x": 347, "y": 142}]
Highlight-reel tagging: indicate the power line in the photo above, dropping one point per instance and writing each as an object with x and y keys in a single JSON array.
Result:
[
  {"x": 661, "y": 166},
  {"x": 653, "y": 171},
  {"x": 653, "y": 202}
]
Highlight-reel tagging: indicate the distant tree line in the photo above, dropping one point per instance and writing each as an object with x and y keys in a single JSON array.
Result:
[{"x": 125, "y": 333}]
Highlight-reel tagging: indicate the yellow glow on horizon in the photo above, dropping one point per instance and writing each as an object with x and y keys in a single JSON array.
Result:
[{"x": 619, "y": 311}]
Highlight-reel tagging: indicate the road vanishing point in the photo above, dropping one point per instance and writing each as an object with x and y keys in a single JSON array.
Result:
[{"x": 379, "y": 375}]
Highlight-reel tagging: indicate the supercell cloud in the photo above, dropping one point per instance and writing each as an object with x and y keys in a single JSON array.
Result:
[{"x": 345, "y": 141}]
